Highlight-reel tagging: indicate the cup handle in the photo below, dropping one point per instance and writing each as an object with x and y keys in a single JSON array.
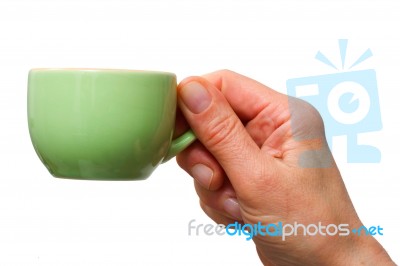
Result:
[{"x": 179, "y": 144}]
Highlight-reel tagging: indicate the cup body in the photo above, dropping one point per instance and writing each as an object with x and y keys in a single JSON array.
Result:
[{"x": 101, "y": 124}]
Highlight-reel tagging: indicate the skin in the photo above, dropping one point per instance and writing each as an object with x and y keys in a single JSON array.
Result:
[{"x": 263, "y": 157}]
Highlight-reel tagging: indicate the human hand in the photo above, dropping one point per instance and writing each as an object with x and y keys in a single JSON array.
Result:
[{"x": 262, "y": 156}]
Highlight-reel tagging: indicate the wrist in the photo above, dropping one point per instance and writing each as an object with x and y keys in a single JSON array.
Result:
[{"x": 358, "y": 250}]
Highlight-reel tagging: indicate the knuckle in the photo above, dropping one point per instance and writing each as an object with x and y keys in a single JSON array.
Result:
[
  {"x": 223, "y": 72},
  {"x": 314, "y": 117},
  {"x": 182, "y": 162},
  {"x": 306, "y": 115},
  {"x": 228, "y": 72},
  {"x": 222, "y": 75},
  {"x": 205, "y": 207},
  {"x": 184, "y": 158}
]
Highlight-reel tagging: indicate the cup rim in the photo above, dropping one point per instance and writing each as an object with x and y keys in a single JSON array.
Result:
[{"x": 102, "y": 70}]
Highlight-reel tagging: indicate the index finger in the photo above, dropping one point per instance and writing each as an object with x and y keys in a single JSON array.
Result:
[{"x": 248, "y": 97}]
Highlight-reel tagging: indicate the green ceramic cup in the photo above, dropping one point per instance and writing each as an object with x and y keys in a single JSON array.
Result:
[{"x": 101, "y": 124}]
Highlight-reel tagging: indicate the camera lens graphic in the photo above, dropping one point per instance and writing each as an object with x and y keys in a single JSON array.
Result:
[{"x": 348, "y": 102}]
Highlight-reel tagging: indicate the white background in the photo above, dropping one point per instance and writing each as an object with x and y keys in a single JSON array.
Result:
[{"x": 47, "y": 221}]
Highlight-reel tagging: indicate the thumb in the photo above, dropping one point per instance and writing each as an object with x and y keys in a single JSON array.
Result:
[{"x": 218, "y": 128}]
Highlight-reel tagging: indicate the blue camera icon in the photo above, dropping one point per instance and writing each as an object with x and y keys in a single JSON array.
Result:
[{"x": 348, "y": 103}]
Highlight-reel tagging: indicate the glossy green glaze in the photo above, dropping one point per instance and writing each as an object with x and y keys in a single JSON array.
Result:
[{"x": 103, "y": 124}]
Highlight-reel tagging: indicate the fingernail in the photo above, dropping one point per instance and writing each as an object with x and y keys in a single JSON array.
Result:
[
  {"x": 231, "y": 206},
  {"x": 203, "y": 174},
  {"x": 195, "y": 97}
]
